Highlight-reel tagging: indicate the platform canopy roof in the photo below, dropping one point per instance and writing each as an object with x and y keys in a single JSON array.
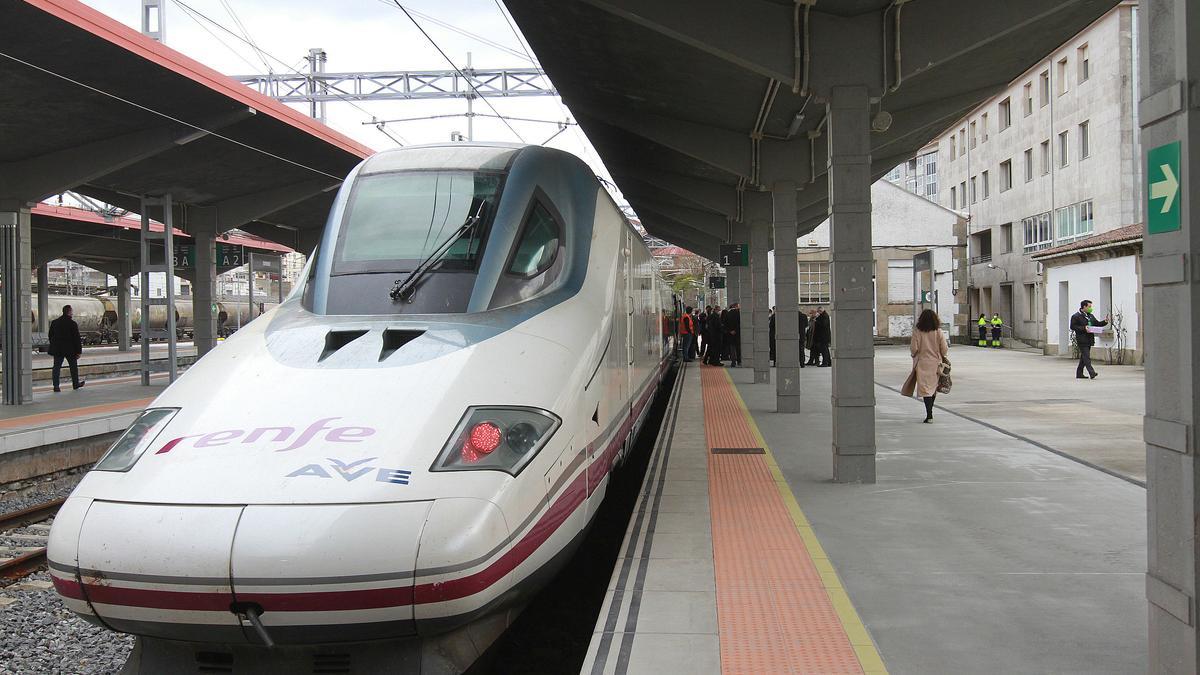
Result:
[
  {"x": 696, "y": 106},
  {"x": 93, "y": 106}
]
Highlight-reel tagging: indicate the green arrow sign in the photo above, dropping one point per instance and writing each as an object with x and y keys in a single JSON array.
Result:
[{"x": 1162, "y": 189}]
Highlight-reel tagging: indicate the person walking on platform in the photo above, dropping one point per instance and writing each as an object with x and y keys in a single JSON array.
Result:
[
  {"x": 928, "y": 349},
  {"x": 65, "y": 343},
  {"x": 701, "y": 318},
  {"x": 983, "y": 327},
  {"x": 713, "y": 338},
  {"x": 1080, "y": 322},
  {"x": 822, "y": 338},
  {"x": 997, "y": 329},
  {"x": 687, "y": 331},
  {"x": 804, "y": 333},
  {"x": 771, "y": 334},
  {"x": 733, "y": 333}
]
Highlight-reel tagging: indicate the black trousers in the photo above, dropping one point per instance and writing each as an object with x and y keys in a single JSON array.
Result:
[
  {"x": 735, "y": 349},
  {"x": 819, "y": 355},
  {"x": 73, "y": 362},
  {"x": 1085, "y": 361}
]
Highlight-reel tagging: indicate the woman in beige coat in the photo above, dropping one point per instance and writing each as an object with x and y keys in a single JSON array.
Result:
[{"x": 928, "y": 348}]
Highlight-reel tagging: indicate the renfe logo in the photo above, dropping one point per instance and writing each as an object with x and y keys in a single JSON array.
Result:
[{"x": 282, "y": 434}]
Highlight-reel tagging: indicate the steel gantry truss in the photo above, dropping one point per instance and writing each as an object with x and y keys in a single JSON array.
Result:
[{"x": 467, "y": 83}]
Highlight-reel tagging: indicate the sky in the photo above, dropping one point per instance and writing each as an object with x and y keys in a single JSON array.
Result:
[{"x": 367, "y": 35}]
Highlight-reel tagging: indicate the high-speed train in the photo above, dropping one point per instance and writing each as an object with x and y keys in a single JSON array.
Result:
[{"x": 376, "y": 475}]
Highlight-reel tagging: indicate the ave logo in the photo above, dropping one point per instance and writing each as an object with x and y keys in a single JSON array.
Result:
[{"x": 352, "y": 471}]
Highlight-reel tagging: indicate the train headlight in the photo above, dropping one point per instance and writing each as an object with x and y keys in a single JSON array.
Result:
[
  {"x": 496, "y": 439},
  {"x": 129, "y": 447}
]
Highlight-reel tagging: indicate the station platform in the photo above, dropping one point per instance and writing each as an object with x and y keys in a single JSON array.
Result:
[
  {"x": 978, "y": 550},
  {"x": 70, "y": 428},
  {"x": 108, "y": 360}
]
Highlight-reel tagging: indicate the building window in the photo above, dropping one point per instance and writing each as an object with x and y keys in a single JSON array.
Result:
[
  {"x": 1006, "y": 244},
  {"x": 953, "y": 147},
  {"x": 813, "y": 283},
  {"x": 1084, "y": 141},
  {"x": 987, "y": 191},
  {"x": 931, "y": 175},
  {"x": 983, "y": 128},
  {"x": 1085, "y": 68},
  {"x": 953, "y": 197},
  {"x": 900, "y": 281},
  {"x": 972, "y": 146},
  {"x": 981, "y": 247},
  {"x": 1006, "y": 175},
  {"x": 1063, "y": 147},
  {"x": 962, "y": 141},
  {"x": 1073, "y": 222},
  {"x": 1028, "y": 98},
  {"x": 1044, "y": 89},
  {"x": 1037, "y": 232},
  {"x": 1005, "y": 114},
  {"x": 1045, "y": 157},
  {"x": 962, "y": 193},
  {"x": 974, "y": 194},
  {"x": 1062, "y": 76},
  {"x": 1031, "y": 302},
  {"x": 1028, "y": 164}
]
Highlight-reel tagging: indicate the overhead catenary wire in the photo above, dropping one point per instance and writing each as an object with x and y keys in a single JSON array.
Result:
[
  {"x": 290, "y": 67},
  {"x": 457, "y": 69},
  {"x": 188, "y": 12},
  {"x": 164, "y": 115},
  {"x": 245, "y": 33},
  {"x": 465, "y": 33}
]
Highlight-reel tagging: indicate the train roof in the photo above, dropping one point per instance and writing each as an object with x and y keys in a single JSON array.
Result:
[{"x": 444, "y": 156}]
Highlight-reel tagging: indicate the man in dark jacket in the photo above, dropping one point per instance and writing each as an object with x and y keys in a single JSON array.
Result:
[
  {"x": 822, "y": 338},
  {"x": 65, "y": 343},
  {"x": 733, "y": 333},
  {"x": 771, "y": 334},
  {"x": 713, "y": 338},
  {"x": 1080, "y": 321},
  {"x": 803, "y": 334}
]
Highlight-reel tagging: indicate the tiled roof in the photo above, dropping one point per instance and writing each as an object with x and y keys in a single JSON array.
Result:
[{"x": 1121, "y": 235}]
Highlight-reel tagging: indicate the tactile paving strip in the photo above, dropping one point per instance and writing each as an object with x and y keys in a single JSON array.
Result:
[{"x": 774, "y": 613}]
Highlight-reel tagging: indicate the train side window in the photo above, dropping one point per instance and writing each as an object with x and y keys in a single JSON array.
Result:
[{"x": 538, "y": 244}]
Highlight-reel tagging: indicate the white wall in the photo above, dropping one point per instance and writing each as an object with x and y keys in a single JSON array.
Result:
[
  {"x": 898, "y": 218},
  {"x": 1084, "y": 283}
]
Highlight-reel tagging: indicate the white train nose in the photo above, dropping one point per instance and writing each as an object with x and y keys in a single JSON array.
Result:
[{"x": 306, "y": 572}]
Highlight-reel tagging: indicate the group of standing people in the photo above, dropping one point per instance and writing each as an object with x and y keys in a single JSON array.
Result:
[
  {"x": 816, "y": 335},
  {"x": 713, "y": 333}
]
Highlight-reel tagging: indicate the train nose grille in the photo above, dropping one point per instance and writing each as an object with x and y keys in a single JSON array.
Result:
[
  {"x": 214, "y": 662},
  {"x": 331, "y": 664}
]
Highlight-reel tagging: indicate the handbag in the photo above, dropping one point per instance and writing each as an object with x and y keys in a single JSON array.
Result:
[{"x": 944, "y": 380}]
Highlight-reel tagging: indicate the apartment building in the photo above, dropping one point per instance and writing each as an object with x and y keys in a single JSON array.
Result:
[{"x": 1050, "y": 160}]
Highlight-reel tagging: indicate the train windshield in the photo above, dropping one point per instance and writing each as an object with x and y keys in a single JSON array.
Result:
[{"x": 394, "y": 221}]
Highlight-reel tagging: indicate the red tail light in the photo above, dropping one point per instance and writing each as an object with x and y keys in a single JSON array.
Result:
[{"x": 482, "y": 440}]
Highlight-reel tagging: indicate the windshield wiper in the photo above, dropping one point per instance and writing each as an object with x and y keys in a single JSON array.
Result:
[{"x": 405, "y": 289}]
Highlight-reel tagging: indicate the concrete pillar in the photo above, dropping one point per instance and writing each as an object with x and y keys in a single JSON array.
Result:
[
  {"x": 16, "y": 340},
  {"x": 760, "y": 299},
  {"x": 1169, "y": 61},
  {"x": 849, "y": 171},
  {"x": 124, "y": 318},
  {"x": 787, "y": 300},
  {"x": 43, "y": 300},
  {"x": 204, "y": 288}
]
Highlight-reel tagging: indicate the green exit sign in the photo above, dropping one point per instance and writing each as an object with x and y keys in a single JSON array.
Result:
[{"x": 1162, "y": 189}]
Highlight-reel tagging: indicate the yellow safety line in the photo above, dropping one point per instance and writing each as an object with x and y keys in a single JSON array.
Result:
[{"x": 860, "y": 639}]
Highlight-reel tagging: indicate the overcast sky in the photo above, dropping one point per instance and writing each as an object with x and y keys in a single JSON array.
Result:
[{"x": 366, "y": 35}]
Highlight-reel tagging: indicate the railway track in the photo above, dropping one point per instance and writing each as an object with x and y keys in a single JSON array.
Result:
[{"x": 19, "y": 559}]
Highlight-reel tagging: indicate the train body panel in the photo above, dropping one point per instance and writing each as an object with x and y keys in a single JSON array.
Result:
[{"x": 456, "y": 454}]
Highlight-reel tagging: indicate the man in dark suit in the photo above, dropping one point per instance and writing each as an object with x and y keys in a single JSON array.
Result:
[
  {"x": 733, "y": 333},
  {"x": 1080, "y": 321},
  {"x": 65, "y": 343},
  {"x": 822, "y": 338},
  {"x": 803, "y": 334}
]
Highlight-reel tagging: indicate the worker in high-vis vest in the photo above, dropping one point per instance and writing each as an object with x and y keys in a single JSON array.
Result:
[
  {"x": 997, "y": 327},
  {"x": 983, "y": 327}
]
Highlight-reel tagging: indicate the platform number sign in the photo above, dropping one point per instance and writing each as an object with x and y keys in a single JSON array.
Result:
[
  {"x": 1162, "y": 189},
  {"x": 716, "y": 283},
  {"x": 735, "y": 255}
]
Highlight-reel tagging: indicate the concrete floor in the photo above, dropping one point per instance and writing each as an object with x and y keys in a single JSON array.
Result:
[
  {"x": 1038, "y": 398},
  {"x": 978, "y": 552}
]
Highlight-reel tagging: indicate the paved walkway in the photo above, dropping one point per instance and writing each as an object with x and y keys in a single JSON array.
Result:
[
  {"x": 975, "y": 552},
  {"x": 1037, "y": 398}
]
